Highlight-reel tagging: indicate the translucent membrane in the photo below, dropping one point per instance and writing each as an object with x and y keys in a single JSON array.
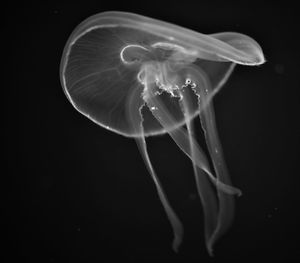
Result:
[{"x": 140, "y": 77}]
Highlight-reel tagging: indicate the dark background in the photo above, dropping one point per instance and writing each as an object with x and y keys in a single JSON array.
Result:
[{"x": 79, "y": 193}]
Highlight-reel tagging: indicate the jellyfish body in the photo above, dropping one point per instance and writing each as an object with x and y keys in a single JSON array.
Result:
[{"x": 140, "y": 77}]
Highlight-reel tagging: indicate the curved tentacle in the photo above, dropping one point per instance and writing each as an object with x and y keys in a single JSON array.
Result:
[
  {"x": 207, "y": 117},
  {"x": 204, "y": 188},
  {"x": 182, "y": 139},
  {"x": 134, "y": 107}
]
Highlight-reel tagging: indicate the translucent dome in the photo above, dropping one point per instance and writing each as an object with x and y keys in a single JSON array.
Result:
[{"x": 107, "y": 52}]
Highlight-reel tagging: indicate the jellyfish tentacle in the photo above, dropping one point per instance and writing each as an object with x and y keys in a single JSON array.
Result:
[
  {"x": 134, "y": 107},
  {"x": 182, "y": 139},
  {"x": 204, "y": 188},
  {"x": 208, "y": 123}
]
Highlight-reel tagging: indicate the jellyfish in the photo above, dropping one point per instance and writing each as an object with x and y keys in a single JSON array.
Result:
[{"x": 138, "y": 77}]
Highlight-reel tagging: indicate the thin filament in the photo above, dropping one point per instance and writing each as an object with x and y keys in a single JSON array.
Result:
[
  {"x": 182, "y": 139},
  {"x": 208, "y": 123},
  {"x": 207, "y": 195},
  {"x": 173, "y": 218},
  {"x": 135, "y": 116}
]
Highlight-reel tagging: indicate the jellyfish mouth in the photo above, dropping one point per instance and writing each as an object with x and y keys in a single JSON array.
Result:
[
  {"x": 160, "y": 75},
  {"x": 155, "y": 81}
]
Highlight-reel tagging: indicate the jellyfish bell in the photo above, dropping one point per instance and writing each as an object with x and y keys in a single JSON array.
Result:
[
  {"x": 139, "y": 77},
  {"x": 98, "y": 82}
]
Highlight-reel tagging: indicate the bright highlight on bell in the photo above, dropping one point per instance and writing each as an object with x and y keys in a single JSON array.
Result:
[{"x": 139, "y": 77}]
